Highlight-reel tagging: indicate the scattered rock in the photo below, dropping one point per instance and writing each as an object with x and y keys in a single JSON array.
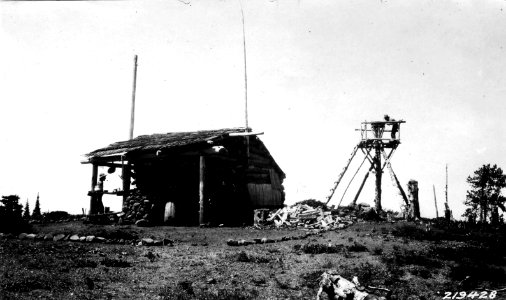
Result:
[
  {"x": 232, "y": 242},
  {"x": 211, "y": 281},
  {"x": 266, "y": 241},
  {"x": 157, "y": 243},
  {"x": 147, "y": 242},
  {"x": 142, "y": 223},
  {"x": 82, "y": 239},
  {"x": 58, "y": 237},
  {"x": 90, "y": 238}
]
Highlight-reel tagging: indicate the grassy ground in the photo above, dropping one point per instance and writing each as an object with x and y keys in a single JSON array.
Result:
[{"x": 403, "y": 257}]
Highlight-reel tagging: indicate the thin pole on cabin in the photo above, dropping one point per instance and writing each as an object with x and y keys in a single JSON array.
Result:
[
  {"x": 132, "y": 114},
  {"x": 446, "y": 188},
  {"x": 245, "y": 68},
  {"x": 245, "y": 84},
  {"x": 435, "y": 200},
  {"x": 125, "y": 169}
]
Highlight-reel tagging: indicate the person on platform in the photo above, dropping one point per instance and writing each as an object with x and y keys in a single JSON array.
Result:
[{"x": 395, "y": 127}]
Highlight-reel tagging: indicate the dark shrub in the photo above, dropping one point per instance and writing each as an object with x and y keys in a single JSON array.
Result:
[
  {"x": 115, "y": 263},
  {"x": 11, "y": 219},
  {"x": 245, "y": 257},
  {"x": 321, "y": 248},
  {"x": 377, "y": 251},
  {"x": 55, "y": 216},
  {"x": 357, "y": 247}
]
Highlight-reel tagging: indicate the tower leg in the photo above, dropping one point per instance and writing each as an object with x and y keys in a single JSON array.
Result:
[
  {"x": 377, "y": 168},
  {"x": 361, "y": 187}
]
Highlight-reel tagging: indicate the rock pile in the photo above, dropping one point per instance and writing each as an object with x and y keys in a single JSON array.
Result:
[{"x": 137, "y": 210}]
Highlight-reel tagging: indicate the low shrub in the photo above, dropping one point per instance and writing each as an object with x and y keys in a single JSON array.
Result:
[
  {"x": 319, "y": 248},
  {"x": 377, "y": 251},
  {"x": 245, "y": 257},
  {"x": 185, "y": 291},
  {"x": 402, "y": 257},
  {"x": 55, "y": 216},
  {"x": 312, "y": 279},
  {"x": 115, "y": 263},
  {"x": 357, "y": 247}
]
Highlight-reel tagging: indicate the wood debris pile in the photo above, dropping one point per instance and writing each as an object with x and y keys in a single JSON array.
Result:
[
  {"x": 338, "y": 287},
  {"x": 301, "y": 215}
]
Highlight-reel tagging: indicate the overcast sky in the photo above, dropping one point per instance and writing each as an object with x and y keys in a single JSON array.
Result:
[{"x": 316, "y": 69}]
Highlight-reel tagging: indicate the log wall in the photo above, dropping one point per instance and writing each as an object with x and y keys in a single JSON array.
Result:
[{"x": 233, "y": 182}]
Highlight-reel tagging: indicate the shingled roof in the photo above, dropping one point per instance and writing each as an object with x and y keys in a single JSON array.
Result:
[{"x": 163, "y": 141}]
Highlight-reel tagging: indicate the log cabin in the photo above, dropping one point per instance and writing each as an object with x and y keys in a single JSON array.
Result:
[{"x": 207, "y": 177}]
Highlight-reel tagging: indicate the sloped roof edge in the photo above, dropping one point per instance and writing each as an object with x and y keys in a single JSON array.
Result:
[{"x": 163, "y": 141}]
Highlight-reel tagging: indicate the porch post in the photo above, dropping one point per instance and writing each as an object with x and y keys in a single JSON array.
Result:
[
  {"x": 125, "y": 175},
  {"x": 202, "y": 169},
  {"x": 94, "y": 177}
]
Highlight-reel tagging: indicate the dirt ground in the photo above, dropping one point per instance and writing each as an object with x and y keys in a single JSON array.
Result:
[{"x": 406, "y": 258}]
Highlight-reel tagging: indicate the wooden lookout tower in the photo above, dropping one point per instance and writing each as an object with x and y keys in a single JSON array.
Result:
[{"x": 378, "y": 142}]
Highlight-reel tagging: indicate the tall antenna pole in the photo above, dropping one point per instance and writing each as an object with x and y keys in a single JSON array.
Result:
[
  {"x": 435, "y": 201},
  {"x": 446, "y": 188},
  {"x": 245, "y": 85},
  {"x": 245, "y": 69},
  {"x": 448, "y": 212},
  {"x": 132, "y": 115}
]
